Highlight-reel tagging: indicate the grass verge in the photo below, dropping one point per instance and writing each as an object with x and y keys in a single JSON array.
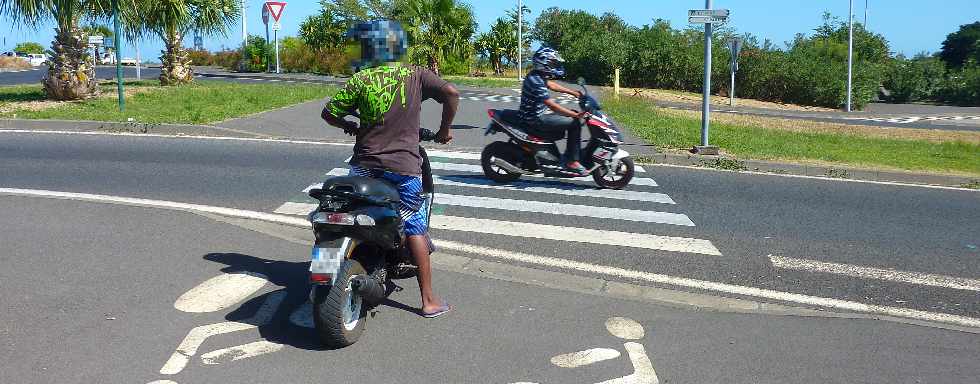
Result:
[
  {"x": 671, "y": 129},
  {"x": 483, "y": 82},
  {"x": 202, "y": 102}
]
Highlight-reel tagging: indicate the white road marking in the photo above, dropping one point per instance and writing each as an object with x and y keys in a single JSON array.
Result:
[
  {"x": 643, "y": 372},
  {"x": 539, "y": 260},
  {"x": 162, "y": 382},
  {"x": 565, "y": 209},
  {"x": 189, "y": 346},
  {"x": 338, "y": 144},
  {"x": 927, "y": 279},
  {"x": 586, "y": 357},
  {"x": 291, "y": 208},
  {"x": 625, "y": 328},
  {"x": 240, "y": 352},
  {"x": 551, "y": 232},
  {"x": 566, "y": 189},
  {"x": 553, "y": 262},
  {"x": 220, "y": 292},
  {"x": 473, "y": 168}
]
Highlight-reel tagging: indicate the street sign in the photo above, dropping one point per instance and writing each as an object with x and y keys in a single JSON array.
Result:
[
  {"x": 96, "y": 40},
  {"x": 736, "y": 46},
  {"x": 265, "y": 15},
  {"x": 707, "y": 16},
  {"x": 275, "y": 8},
  {"x": 276, "y": 26}
]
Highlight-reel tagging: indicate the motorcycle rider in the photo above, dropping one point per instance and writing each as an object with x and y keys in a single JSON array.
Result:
[
  {"x": 387, "y": 98},
  {"x": 536, "y": 99}
]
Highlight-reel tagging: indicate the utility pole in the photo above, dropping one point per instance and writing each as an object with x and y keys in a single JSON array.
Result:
[
  {"x": 241, "y": 64},
  {"x": 520, "y": 39},
  {"x": 118, "y": 44},
  {"x": 136, "y": 44},
  {"x": 866, "y": 13},
  {"x": 850, "y": 52}
]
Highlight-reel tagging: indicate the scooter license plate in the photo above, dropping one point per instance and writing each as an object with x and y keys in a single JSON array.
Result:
[{"x": 326, "y": 258}]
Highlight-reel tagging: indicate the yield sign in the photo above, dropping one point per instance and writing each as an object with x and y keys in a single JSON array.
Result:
[{"x": 275, "y": 8}]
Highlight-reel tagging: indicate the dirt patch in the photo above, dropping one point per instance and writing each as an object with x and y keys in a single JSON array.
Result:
[
  {"x": 40, "y": 105},
  {"x": 671, "y": 96},
  {"x": 8, "y": 62},
  {"x": 807, "y": 126}
]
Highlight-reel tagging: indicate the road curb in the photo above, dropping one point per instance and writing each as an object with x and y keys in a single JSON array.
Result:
[
  {"x": 728, "y": 163},
  {"x": 127, "y": 127}
]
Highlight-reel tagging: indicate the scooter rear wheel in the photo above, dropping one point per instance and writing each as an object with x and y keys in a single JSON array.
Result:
[
  {"x": 504, "y": 151},
  {"x": 338, "y": 312}
]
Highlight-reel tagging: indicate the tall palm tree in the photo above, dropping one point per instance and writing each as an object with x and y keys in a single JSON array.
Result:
[
  {"x": 436, "y": 28},
  {"x": 171, "y": 20},
  {"x": 71, "y": 73}
]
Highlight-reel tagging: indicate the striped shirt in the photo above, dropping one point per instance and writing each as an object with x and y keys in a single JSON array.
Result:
[{"x": 533, "y": 95}]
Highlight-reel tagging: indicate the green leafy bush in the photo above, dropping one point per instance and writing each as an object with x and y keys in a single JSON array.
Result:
[{"x": 917, "y": 79}]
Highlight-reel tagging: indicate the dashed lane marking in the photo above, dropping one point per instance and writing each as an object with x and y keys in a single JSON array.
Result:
[{"x": 927, "y": 279}]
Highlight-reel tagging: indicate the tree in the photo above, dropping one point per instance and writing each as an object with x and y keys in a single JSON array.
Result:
[
  {"x": 437, "y": 29},
  {"x": 962, "y": 46},
  {"x": 498, "y": 44},
  {"x": 71, "y": 75},
  {"x": 29, "y": 47},
  {"x": 172, "y": 19},
  {"x": 323, "y": 31}
]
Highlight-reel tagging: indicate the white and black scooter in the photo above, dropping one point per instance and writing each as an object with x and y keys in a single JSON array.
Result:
[{"x": 533, "y": 151}]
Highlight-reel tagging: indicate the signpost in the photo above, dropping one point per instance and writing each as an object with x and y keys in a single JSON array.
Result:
[
  {"x": 708, "y": 17},
  {"x": 736, "y": 47},
  {"x": 96, "y": 40},
  {"x": 116, "y": 43},
  {"x": 275, "y": 10},
  {"x": 265, "y": 20}
]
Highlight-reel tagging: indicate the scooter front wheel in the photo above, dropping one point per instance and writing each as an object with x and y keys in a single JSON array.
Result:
[
  {"x": 617, "y": 178},
  {"x": 339, "y": 312}
]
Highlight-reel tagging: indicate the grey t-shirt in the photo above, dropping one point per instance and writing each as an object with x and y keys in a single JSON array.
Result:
[{"x": 388, "y": 99}]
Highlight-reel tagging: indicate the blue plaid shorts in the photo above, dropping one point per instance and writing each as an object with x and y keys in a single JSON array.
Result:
[{"x": 414, "y": 208}]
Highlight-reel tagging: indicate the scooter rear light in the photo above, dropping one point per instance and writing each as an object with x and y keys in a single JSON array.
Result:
[
  {"x": 319, "y": 278},
  {"x": 333, "y": 218},
  {"x": 490, "y": 113},
  {"x": 534, "y": 138}
]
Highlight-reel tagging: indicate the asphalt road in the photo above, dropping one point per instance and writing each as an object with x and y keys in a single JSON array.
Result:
[
  {"x": 753, "y": 221},
  {"x": 35, "y": 75},
  {"x": 117, "y": 310}
]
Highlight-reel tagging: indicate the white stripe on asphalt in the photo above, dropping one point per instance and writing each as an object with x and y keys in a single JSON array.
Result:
[
  {"x": 657, "y": 278},
  {"x": 240, "y": 352},
  {"x": 549, "y": 232},
  {"x": 531, "y": 259},
  {"x": 917, "y": 278},
  {"x": 532, "y": 206},
  {"x": 473, "y": 168},
  {"x": 220, "y": 292},
  {"x": 565, "y": 189},
  {"x": 469, "y": 156}
]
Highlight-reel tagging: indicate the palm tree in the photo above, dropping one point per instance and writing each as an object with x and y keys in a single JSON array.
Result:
[
  {"x": 498, "y": 44},
  {"x": 436, "y": 29},
  {"x": 71, "y": 74},
  {"x": 171, "y": 20}
]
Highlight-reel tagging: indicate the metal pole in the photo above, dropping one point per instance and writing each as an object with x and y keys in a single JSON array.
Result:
[
  {"x": 276, "y": 36},
  {"x": 706, "y": 105},
  {"x": 241, "y": 64},
  {"x": 866, "y": 13},
  {"x": 520, "y": 39},
  {"x": 850, "y": 52},
  {"x": 268, "y": 65},
  {"x": 731, "y": 94},
  {"x": 136, "y": 44},
  {"x": 118, "y": 44}
]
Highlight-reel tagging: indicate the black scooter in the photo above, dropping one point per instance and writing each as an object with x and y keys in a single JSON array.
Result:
[{"x": 359, "y": 247}]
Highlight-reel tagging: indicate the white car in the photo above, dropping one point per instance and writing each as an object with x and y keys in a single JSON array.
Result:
[
  {"x": 128, "y": 61},
  {"x": 36, "y": 59}
]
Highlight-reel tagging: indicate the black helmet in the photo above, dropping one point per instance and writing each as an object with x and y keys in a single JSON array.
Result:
[
  {"x": 382, "y": 41},
  {"x": 549, "y": 63}
]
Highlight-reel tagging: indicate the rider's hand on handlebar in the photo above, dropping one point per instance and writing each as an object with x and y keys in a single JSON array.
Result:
[
  {"x": 444, "y": 136},
  {"x": 350, "y": 127}
]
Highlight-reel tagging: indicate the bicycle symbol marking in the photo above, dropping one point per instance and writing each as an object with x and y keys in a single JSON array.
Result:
[{"x": 623, "y": 328}]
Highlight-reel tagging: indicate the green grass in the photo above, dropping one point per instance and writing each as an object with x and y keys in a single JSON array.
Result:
[
  {"x": 483, "y": 82},
  {"x": 659, "y": 127},
  {"x": 202, "y": 102}
]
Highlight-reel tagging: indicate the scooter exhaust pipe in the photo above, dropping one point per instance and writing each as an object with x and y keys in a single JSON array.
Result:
[
  {"x": 508, "y": 166},
  {"x": 369, "y": 288}
]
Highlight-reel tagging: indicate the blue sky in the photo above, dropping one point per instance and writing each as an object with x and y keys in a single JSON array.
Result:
[{"x": 910, "y": 26}]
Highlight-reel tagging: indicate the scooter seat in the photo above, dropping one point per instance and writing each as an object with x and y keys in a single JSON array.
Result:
[
  {"x": 512, "y": 118},
  {"x": 372, "y": 189}
]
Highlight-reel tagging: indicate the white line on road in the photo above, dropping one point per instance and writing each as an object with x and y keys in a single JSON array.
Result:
[
  {"x": 220, "y": 292},
  {"x": 712, "y": 286},
  {"x": 927, "y": 279},
  {"x": 566, "y": 189},
  {"x": 240, "y": 352},
  {"x": 539, "y": 260},
  {"x": 293, "y": 208},
  {"x": 473, "y": 168},
  {"x": 550, "y": 232},
  {"x": 583, "y": 358}
]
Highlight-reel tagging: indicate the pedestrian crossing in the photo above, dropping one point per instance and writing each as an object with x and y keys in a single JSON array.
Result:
[
  {"x": 915, "y": 119},
  {"x": 489, "y": 97},
  {"x": 575, "y": 201}
]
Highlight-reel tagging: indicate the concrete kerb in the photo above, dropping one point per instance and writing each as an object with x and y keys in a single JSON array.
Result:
[{"x": 126, "y": 127}]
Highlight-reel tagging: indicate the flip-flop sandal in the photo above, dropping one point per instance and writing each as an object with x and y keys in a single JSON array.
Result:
[{"x": 442, "y": 311}]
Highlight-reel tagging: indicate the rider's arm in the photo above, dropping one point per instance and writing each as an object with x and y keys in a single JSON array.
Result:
[
  {"x": 446, "y": 94},
  {"x": 554, "y": 86},
  {"x": 559, "y": 109},
  {"x": 343, "y": 104}
]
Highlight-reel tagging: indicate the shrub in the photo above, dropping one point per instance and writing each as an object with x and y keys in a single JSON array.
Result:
[
  {"x": 29, "y": 47},
  {"x": 917, "y": 79},
  {"x": 962, "y": 87}
]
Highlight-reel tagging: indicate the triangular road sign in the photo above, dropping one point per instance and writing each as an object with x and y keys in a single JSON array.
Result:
[{"x": 275, "y": 8}]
